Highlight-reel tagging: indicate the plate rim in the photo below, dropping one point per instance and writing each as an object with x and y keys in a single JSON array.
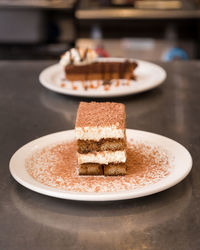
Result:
[
  {"x": 105, "y": 94},
  {"x": 108, "y": 196}
]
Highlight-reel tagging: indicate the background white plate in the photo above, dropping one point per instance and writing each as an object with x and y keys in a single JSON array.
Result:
[
  {"x": 181, "y": 158},
  {"x": 148, "y": 75}
]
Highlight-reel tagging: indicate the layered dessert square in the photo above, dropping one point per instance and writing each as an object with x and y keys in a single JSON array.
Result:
[
  {"x": 81, "y": 64},
  {"x": 101, "y": 138}
]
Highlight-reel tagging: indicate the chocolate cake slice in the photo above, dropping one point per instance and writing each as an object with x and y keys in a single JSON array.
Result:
[
  {"x": 101, "y": 71},
  {"x": 82, "y": 65},
  {"x": 101, "y": 138}
]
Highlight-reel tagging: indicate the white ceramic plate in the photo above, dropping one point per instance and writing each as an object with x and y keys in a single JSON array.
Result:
[
  {"x": 148, "y": 75},
  {"x": 181, "y": 159}
]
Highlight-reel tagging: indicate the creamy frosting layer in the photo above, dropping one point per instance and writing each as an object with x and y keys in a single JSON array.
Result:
[
  {"x": 105, "y": 157},
  {"x": 98, "y": 133},
  {"x": 78, "y": 56}
]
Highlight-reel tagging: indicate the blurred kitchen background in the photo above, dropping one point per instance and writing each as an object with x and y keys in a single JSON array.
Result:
[{"x": 144, "y": 29}]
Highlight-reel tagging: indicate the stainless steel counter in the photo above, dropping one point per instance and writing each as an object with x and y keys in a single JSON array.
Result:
[{"x": 169, "y": 220}]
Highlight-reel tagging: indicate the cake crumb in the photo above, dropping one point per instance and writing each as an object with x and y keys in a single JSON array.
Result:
[{"x": 62, "y": 85}]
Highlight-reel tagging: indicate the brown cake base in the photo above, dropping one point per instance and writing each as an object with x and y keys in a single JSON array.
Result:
[
  {"x": 90, "y": 169},
  {"x": 101, "y": 71},
  {"x": 86, "y": 146},
  {"x": 98, "y": 169},
  {"x": 115, "y": 169}
]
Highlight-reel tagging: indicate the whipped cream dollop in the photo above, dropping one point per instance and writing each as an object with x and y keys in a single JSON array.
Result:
[{"x": 78, "y": 56}]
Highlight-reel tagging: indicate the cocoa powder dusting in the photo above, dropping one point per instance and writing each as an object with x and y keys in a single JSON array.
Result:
[
  {"x": 94, "y": 114},
  {"x": 56, "y": 166}
]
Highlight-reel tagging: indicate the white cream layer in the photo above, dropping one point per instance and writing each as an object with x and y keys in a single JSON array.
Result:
[
  {"x": 104, "y": 157},
  {"x": 76, "y": 54},
  {"x": 98, "y": 133}
]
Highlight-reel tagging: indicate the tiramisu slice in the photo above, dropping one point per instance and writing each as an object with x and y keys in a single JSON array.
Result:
[{"x": 101, "y": 138}]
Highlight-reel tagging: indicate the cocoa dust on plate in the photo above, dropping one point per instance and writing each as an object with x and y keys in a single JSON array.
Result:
[{"x": 56, "y": 166}]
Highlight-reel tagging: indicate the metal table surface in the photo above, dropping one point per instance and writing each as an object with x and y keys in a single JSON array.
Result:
[{"x": 167, "y": 220}]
